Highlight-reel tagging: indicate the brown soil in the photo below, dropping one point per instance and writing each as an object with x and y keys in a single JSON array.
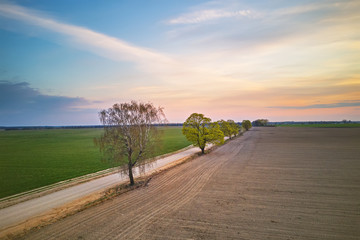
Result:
[{"x": 271, "y": 183}]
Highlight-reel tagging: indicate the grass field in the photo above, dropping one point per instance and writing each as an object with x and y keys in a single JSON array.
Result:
[
  {"x": 323, "y": 125},
  {"x": 34, "y": 158}
]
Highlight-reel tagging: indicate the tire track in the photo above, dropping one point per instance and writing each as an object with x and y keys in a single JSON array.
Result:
[
  {"x": 235, "y": 149},
  {"x": 180, "y": 196},
  {"x": 176, "y": 202},
  {"x": 172, "y": 200}
]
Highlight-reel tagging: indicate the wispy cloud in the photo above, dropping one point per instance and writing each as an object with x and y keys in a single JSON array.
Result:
[
  {"x": 287, "y": 42},
  {"x": 207, "y": 15},
  {"x": 330, "y": 105},
  {"x": 98, "y": 43}
]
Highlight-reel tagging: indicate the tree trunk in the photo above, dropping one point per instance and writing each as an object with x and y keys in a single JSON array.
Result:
[
  {"x": 202, "y": 150},
  {"x": 131, "y": 177}
]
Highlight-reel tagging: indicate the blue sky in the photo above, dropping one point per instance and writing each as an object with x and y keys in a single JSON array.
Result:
[{"x": 63, "y": 61}]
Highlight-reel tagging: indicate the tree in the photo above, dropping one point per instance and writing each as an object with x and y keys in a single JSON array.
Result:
[
  {"x": 260, "y": 122},
  {"x": 225, "y": 128},
  {"x": 246, "y": 124},
  {"x": 234, "y": 128},
  {"x": 229, "y": 128},
  {"x": 129, "y": 134},
  {"x": 199, "y": 130}
]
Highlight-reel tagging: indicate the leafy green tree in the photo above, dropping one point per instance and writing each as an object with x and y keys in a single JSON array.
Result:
[
  {"x": 225, "y": 128},
  {"x": 199, "y": 130},
  {"x": 229, "y": 128},
  {"x": 234, "y": 128},
  {"x": 246, "y": 124},
  {"x": 129, "y": 134}
]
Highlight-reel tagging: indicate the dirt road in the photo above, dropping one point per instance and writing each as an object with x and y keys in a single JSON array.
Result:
[{"x": 271, "y": 183}]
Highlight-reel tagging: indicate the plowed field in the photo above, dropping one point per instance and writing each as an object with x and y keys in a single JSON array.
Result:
[{"x": 271, "y": 183}]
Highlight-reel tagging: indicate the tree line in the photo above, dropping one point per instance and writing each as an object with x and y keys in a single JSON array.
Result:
[
  {"x": 200, "y": 130},
  {"x": 130, "y": 133}
]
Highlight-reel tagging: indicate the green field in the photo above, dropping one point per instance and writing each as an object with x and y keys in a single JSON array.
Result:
[
  {"x": 34, "y": 158},
  {"x": 323, "y": 125}
]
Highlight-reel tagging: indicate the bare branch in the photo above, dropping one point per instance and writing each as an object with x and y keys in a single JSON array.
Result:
[{"x": 129, "y": 131}]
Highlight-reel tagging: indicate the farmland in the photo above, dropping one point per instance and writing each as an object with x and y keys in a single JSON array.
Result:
[
  {"x": 271, "y": 183},
  {"x": 33, "y": 158},
  {"x": 323, "y": 125}
]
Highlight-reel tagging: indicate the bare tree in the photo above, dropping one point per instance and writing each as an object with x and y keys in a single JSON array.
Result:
[{"x": 129, "y": 134}]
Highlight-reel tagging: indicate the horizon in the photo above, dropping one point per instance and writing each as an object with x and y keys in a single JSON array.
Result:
[
  {"x": 170, "y": 124},
  {"x": 64, "y": 61}
]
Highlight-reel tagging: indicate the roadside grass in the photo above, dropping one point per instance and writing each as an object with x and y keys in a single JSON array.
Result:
[
  {"x": 323, "y": 125},
  {"x": 34, "y": 158}
]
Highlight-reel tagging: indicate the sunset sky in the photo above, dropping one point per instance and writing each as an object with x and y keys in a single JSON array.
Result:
[{"x": 63, "y": 61}]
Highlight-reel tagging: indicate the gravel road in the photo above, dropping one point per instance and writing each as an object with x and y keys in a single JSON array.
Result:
[{"x": 271, "y": 183}]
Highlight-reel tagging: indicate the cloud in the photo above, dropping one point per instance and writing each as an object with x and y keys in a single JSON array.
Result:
[
  {"x": 207, "y": 15},
  {"x": 276, "y": 43},
  {"x": 20, "y": 104},
  {"x": 331, "y": 105},
  {"x": 20, "y": 96},
  {"x": 84, "y": 38}
]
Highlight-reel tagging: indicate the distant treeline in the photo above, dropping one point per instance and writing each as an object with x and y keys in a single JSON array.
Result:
[{"x": 69, "y": 127}]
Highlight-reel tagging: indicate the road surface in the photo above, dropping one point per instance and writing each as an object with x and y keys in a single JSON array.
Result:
[{"x": 271, "y": 183}]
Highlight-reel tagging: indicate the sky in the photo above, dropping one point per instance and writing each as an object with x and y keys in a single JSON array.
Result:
[{"x": 63, "y": 61}]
